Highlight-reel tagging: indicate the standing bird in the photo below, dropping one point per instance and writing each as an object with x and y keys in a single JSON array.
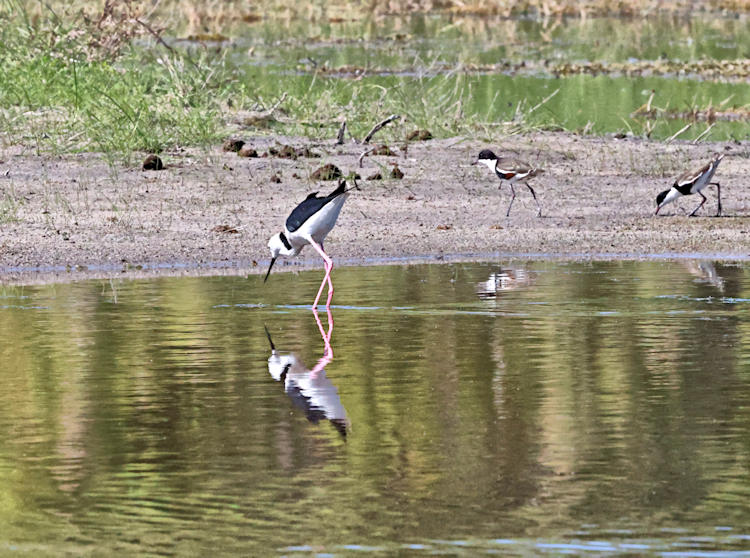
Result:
[
  {"x": 692, "y": 183},
  {"x": 309, "y": 223},
  {"x": 512, "y": 171}
]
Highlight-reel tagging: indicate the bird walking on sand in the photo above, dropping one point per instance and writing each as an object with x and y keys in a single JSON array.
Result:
[
  {"x": 309, "y": 223},
  {"x": 512, "y": 171},
  {"x": 692, "y": 183}
]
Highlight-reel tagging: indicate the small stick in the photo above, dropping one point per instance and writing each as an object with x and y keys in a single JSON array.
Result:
[
  {"x": 685, "y": 127},
  {"x": 155, "y": 35},
  {"x": 365, "y": 152},
  {"x": 342, "y": 131},
  {"x": 378, "y": 126},
  {"x": 704, "y": 133}
]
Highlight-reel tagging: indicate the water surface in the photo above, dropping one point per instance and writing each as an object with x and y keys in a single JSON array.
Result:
[{"x": 519, "y": 407}]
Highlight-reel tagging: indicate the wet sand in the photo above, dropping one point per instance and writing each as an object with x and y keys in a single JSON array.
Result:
[{"x": 75, "y": 217}]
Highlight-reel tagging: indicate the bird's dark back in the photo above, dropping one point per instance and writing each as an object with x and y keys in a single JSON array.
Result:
[{"x": 310, "y": 206}]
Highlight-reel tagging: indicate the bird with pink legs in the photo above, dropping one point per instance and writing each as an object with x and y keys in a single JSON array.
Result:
[{"x": 309, "y": 223}]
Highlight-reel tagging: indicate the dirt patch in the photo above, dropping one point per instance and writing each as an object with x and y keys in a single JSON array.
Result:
[{"x": 76, "y": 216}]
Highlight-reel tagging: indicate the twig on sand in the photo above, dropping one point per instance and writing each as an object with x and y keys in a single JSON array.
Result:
[
  {"x": 342, "y": 131},
  {"x": 364, "y": 154},
  {"x": 678, "y": 132},
  {"x": 378, "y": 126}
]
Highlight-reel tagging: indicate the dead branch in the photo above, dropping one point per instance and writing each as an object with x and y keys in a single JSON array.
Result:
[
  {"x": 364, "y": 154},
  {"x": 378, "y": 126},
  {"x": 342, "y": 131}
]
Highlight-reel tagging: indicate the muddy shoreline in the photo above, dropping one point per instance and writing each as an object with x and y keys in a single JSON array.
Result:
[{"x": 210, "y": 212}]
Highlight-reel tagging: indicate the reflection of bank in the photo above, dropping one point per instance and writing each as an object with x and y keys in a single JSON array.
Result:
[
  {"x": 504, "y": 280},
  {"x": 310, "y": 389}
]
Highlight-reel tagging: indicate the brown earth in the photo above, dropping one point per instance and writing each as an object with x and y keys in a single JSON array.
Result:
[{"x": 212, "y": 212}]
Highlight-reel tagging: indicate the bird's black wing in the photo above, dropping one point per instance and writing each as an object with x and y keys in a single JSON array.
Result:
[{"x": 310, "y": 206}]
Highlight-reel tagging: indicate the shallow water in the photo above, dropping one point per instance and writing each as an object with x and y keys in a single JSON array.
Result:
[
  {"x": 519, "y": 407},
  {"x": 427, "y": 57}
]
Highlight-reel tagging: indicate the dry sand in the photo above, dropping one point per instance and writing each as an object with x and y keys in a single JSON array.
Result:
[{"x": 74, "y": 217}]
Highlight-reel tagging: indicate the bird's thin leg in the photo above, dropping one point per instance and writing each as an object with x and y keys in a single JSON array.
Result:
[
  {"x": 539, "y": 207},
  {"x": 328, "y": 264},
  {"x": 512, "y": 197},
  {"x": 327, "y": 349},
  {"x": 701, "y": 205},
  {"x": 718, "y": 196}
]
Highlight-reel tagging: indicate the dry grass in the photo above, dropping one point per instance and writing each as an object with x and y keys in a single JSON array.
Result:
[{"x": 211, "y": 16}]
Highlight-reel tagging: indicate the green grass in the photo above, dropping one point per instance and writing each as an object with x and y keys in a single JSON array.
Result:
[{"x": 59, "y": 97}]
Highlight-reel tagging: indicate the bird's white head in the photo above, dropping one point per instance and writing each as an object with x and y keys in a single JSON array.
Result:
[
  {"x": 279, "y": 246},
  {"x": 486, "y": 157}
]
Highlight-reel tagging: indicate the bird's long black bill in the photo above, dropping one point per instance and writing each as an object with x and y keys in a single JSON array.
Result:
[
  {"x": 268, "y": 334},
  {"x": 273, "y": 261}
]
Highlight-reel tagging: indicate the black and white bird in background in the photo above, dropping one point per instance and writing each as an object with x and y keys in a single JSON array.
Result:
[
  {"x": 512, "y": 171},
  {"x": 693, "y": 182}
]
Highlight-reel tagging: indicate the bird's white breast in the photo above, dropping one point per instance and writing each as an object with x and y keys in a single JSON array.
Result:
[{"x": 319, "y": 225}]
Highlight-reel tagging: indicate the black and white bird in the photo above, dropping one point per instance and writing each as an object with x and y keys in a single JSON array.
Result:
[
  {"x": 309, "y": 223},
  {"x": 512, "y": 171},
  {"x": 692, "y": 183}
]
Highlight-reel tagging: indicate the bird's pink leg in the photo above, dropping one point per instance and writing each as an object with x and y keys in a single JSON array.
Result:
[
  {"x": 327, "y": 349},
  {"x": 328, "y": 264}
]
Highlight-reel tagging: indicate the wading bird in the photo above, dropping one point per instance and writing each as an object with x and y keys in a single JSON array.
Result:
[
  {"x": 692, "y": 183},
  {"x": 512, "y": 171},
  {"x": 309, "y": 223}
]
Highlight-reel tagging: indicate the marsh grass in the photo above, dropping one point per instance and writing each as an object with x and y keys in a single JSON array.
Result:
[
  {"x": 106, "y": 81},
  {"x": 64, "y": 91}
]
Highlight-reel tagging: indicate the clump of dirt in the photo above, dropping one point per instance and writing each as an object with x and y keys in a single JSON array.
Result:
[
  {"x": 247, "y": 151},
  {"x": 225, "y": 229},
  {"x": 419, "y": 135},
  {"x": 383, "y": 150},
  {"x": 289, "y": 152},
  {"x": 276, "y": 178},
  {"x": 232, "y": 145},
  {"x": 153, "y": 162},
  {"x": 396, "y": 172},
  {"x": 327, "y": 172},
  {"x": 376, "y": 176}
]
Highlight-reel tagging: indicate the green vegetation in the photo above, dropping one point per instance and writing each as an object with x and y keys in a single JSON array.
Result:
[
  {"x": 64, "y": 91},
  {"x": 115, "y": 81}
]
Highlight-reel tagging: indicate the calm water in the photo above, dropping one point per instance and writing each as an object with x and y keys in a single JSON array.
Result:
[
  {"x": 425, "y": 57},
  {"x": 520, "y": 408}
]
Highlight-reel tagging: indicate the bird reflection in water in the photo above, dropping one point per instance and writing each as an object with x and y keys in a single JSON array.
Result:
[
  {"x": 504, "y": 280},
  {"x": 310, "y": 389},
  {"x": 704, "y": 271}
]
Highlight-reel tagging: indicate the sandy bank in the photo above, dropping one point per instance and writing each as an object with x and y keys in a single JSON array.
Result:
[{"x": 70, "y": 217}]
